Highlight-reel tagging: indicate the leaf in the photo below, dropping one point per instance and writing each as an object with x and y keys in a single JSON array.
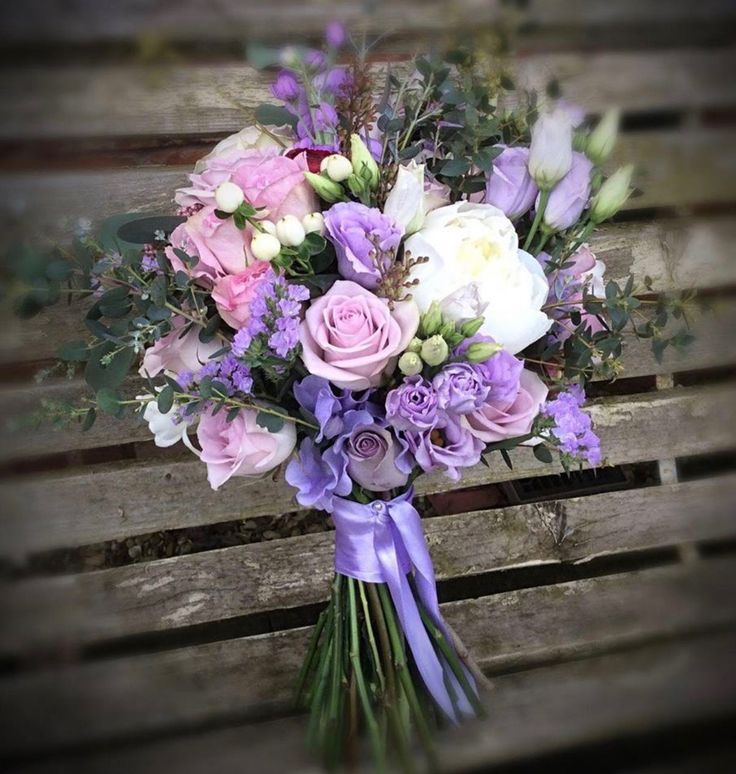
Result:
[
  {"x": 542, "y": 453},
  {"x": 89, "y": 419},
  {"x": 74, "y": 351},
  {"x": 208, "y": 332},
  {"x": 108, "y": 401},
  {"x": 507, "y": 459},
  {"x": 455, "y": 167},
  {"x": 165, "y": 399},
  {"x": 110, "y": 374},
  {"x": 275, "y": 115},
  {"x": 141, "y": 231},
  {"x": 270, "y": 422}
]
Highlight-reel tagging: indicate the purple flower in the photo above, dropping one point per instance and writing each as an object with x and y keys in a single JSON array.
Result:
[
  {"x": 335, "y": 34},
  {"x": 365, "y": 241},
  {"x": 413, "y": 405},
  {"x": 461, "y": 388},
  {"x": 317, "y": 477},
  {"x": 510, "y": 187},
  {"x": 500, "y": 373},
  {"x": 376, "y": 458},
  {"x": 570, "y": 196},
  {"x": 447, "y": 447},
  {"x": 572, "y": 428},
  {"x": 286, "y": 87}
]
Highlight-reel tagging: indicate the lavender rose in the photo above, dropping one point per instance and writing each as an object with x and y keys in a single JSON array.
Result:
[
  {"x": 365, "y": 240},
  {"x": 374, "y": 459},
  {"x": 448, "y": 447},
  {"x": 510, "y": 186},
  {"x": 460, "y": 387},
  {"x": 570, "y": 196},
  {"x": 413, "y": 405},
  {"x": 350, "y": 337}
]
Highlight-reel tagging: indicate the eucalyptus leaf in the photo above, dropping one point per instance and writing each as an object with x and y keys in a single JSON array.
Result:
[{"x": 270, "y": 422}]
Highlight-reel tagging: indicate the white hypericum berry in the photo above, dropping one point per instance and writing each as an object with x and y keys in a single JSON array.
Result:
[
  {"x": 229, "y": 197},
  {"x": 314, "y": 223},
  {"x": 336, "y": 167},
  {"x": 290, "y": 231},
  {"x": 265, "y": 247},
  {"x": 268, "y": 226}
]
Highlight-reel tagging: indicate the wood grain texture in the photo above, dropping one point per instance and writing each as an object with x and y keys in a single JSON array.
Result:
[
  {"x": 182, "y": 99},
  {"x": 68, "y": 611},
  {"x": 129, "y": 499},
  {"x": 236, "y": 678}
]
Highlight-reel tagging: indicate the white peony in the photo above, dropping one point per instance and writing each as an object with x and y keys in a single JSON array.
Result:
[{"x": 476, "y": 268}]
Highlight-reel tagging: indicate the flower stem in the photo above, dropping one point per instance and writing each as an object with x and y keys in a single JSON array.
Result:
[{"x": 543, "y": 199}]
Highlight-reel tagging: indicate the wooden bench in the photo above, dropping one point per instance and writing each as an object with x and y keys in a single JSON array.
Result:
[{"x": 602, "y": 607}]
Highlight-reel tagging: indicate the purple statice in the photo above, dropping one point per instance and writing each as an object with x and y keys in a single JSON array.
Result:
[
  {"x": 230, "y": 372},
  {"x": 570, "y": 427},
  {"x": 148, "y": 259}
]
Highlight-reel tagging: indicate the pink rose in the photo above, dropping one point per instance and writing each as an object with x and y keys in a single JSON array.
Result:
[
  {"x": 350, "y": 336},
  {"x": 221, "y": 247},
  {"x": 268, "y": 180},
  {"x": 234, "y": 293},
  {"x": 175, "y": 354},
  {"x": 241, "y": 447},
  {"x": 497, "y": 421}
]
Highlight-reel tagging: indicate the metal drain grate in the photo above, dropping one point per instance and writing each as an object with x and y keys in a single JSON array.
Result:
[{"x": 577, "y": 482}]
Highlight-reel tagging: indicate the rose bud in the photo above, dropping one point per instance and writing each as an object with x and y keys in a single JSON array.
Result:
[
  {"x": 363, "y": 163},
  {"x": 229, "y": 197},
  {"x": 435, "y": 351},
  {"x": 325, "y": 188},
  {"x": 264, "y": 246},
  {"x": 612, "y": 194},
  {"x": 290, "y": 231},
  {"x": 410, "y": 363},
  {"x": 336, "y": 167},
  {"x": 550, "y": 152},
  {"x": 480, "y": 351},
  {"x": 602, "y": 139},
  {"x": 314, "y": 223}
]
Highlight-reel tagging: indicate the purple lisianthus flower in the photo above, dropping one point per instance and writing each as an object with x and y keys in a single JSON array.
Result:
[
  {"x": 365, "y": 241},
  {"x": 376, "y": 458},
  {"x": 317, "y": 476},
  {"x": 570, "y": 196},
  {"x": 510, "y": 187},
  {"x": 573, "y": 428},
  {"x": 413, "y": 405},
  {"x": 448, "y": 447},
  {"x": 501, "y": 372},
  {"x": 461, "y": 388}
]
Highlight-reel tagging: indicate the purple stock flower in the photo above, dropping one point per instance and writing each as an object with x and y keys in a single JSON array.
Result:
[
  {"x": 335, "y": 34},
  {"x": 573, "y": 428},
  {"x": 570, "y": 196},
  {"x": 365, "y": 239},
  {"x": 413, "y": 405},
  {"x": 286, "y": 87},
  {"x": 376, "y": 458},
  {"x": 510, "y": 187},
  {"x": 461, "y": 388},
  {"x": 448, "y": 447},
  {"x": 317, "y": 476}
]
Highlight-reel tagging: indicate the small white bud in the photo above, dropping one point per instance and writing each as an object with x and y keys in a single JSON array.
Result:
[
  {"x": 602, "y": 139},
  {"x": 268, "y": 226},
  {"x": 229, "y": 197},
  {"x": 550, "y": 151},
  {"x": 410, "y": 364},
  {"x": 612, "y": 194},
  {"x": 434, "y": 351},
  {"x": 290, "y": 231},
  {"x": 265, "y": 247},
  {"x": 314, "y": 223},
  {"x": 336, "y": 167}
]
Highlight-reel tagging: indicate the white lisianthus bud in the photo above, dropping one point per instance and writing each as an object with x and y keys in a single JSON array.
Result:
[
  {"x": 325, "y": 188},
  {"x": 612, "y": 194},
  {"x": 336, "y": 167},
  {"x": 431, "y": 320},
  {"x": 410, "y": 364},
  {"x": 434, "y": 351},
  {"x": 480, "y": 351},
  {"x": 550, "y": 152},
  {"x": 264, "y": 246},
  {"x": 602, "y": 139},
  {"x": 268, "y": 226},
  {"x": 415, "y": 345},
  {"x": 229, "y": 197},
  {"x": 290, "y": 231},
  {"x": 405, "y": 202},
  {"x": 314, "y": 223},
  {"x": 363, "y": 162}
]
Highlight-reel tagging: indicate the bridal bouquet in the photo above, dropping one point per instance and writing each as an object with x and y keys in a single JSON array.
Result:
[{"x": 387, "y": 275}]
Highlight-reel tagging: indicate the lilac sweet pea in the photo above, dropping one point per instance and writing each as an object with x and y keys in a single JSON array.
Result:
[
  {"x": 365, "y": 241},
  {"x": 461, "y": 388},
  {"x": 317, "y": 477},
  {"x": 510, "y": 186},
  {"x": 413, "y": 405},
  {"x": 447, "y": 447},
  {"x": 570, "y": 196}
]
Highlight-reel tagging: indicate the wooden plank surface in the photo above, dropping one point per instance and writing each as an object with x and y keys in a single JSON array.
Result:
[
  {"x": 152, "y": 693},
  {"x": 44, "y": 613},
  {"x": 130, "y": 499},
  {"x": 183, "y": 99}
]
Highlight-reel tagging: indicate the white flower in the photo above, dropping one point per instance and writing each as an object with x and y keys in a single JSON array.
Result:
[
  {"x": 476, "y": 268},
  {"x": 251, "y": 137},
  {"x": 229, "y": 196},
  {"x": 602, "y": 139},
  {"x": 612, "y": 194},
  {"x": 166, "y": 432},
  {"x": 405, "y": 203},
  {"x": 550, "y": 151}
]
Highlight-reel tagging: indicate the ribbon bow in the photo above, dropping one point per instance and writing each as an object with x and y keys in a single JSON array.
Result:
[{"x": 380, "y": 543}]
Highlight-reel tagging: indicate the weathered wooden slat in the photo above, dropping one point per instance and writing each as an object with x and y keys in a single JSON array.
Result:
[
  {"x": 130, "y": 499},
  {"x": 218, "y": 585},
  {"x": 685, "y": 253},
  {"x": 181, "y": 100},
  {"x": 108, "y": 699},
  {"x": 675, "y": 169}
]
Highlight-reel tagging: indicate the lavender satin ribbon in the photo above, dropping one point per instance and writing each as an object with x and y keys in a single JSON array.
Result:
[{"x": 380, "y": 543}]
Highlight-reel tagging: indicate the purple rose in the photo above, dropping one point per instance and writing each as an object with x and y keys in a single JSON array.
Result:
[
  {"x": 445, "y": 447},
  {"x": 510, "y": 187},
  {"x": 365, "y": 241},
  {"x": 570, "y": 196},
  {"x": 460, "y": 388},
  {"x": 375, "y": 458},
  {"x": 412, "y": 405}
]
